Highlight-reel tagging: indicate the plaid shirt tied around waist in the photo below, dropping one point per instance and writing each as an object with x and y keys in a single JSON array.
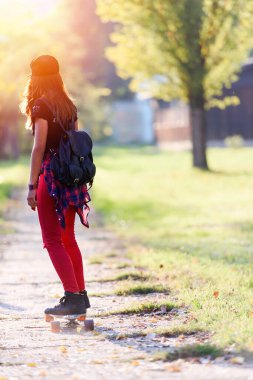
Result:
[{"x": 66, "y": 196}]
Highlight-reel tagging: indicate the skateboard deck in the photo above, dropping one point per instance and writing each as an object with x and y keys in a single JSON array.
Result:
[{"x": 73, "y": 320}]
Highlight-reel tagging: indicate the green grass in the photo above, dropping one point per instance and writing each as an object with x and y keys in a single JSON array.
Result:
[
  {"x": 123, "y": 266},
  {"x": 12, "y": 174},
  {"x": 168, "y": 332},
  {"x": 189, "y": 351},
  {"x": 131, "y": 276},
  {"x": 174, "y": 330},
  {"x": 141, "y": 307},
  {"x": 134, "y": 276},
  {"x": 194, "y": 229},
  {"x": 130, "y": 289},
  {"x": 96, "y": 260}
]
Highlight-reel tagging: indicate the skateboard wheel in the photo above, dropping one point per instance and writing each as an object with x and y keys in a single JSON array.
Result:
[
  {"x": 55, "y": 326},
  {"x": 81, "y": 318},
  {"x": 88, "y": 325},
  {"x": 49, "y": 318}
]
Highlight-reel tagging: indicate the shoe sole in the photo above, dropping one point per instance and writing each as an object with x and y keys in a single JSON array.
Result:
[{"x": 70, "y": 317}]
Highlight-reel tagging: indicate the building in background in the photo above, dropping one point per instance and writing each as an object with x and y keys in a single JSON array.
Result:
[
  {"x": 132, "y": 121},
  {"x": 172, "y": 125}
]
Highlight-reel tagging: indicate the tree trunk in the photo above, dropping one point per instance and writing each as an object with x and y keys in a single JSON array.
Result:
[{"x": 198, "y": 131}]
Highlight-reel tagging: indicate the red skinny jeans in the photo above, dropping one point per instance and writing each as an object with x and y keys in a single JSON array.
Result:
[{"x": 60, "y": 243}]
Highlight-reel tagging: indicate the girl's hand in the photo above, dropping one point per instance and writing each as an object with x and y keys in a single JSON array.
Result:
[{"x": 32, "y": 199}]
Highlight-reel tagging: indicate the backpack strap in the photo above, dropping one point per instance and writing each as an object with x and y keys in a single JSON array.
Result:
[{"x": 52, "y": 110}]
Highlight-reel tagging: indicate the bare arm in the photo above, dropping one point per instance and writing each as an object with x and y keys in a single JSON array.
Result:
[{"x": 41, "y": 127}]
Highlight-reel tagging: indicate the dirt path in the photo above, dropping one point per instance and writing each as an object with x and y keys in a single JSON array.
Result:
[{"x": 28, "y": 284}]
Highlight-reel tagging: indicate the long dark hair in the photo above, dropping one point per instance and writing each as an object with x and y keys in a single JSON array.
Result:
[{"x": 52, "y": 87}]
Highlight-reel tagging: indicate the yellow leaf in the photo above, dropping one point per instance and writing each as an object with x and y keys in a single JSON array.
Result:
[
  {"x": 32, "y": 364},
  {"x": 81, "y": 349},
  {"x": 63, "y": 349},
  {"x": 237, "y": 360},
  {"x": 135, "y": 363},
  {"x": 173, "y": 368}
]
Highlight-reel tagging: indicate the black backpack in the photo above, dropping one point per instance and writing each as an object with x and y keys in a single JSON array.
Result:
[{"x": 72, "y": 164}]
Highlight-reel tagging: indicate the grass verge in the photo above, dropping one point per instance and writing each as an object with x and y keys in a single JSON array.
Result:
[
  {"x": 139, "y": 308},
  {"x": 129, "y": 289},
  {"x": 189, "y": 351},
  {"x": 192, "y": 228},
  {"x": 13, "y": 174}
]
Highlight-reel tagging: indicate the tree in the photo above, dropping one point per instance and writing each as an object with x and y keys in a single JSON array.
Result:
[
  {"x": 28, "y": 31},
  {"x": 184, "y": 49}
]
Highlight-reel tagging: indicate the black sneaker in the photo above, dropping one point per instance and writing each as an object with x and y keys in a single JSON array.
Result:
[
  {"x": 85, "y": 298},
  {"x": 70, "y": 304}
]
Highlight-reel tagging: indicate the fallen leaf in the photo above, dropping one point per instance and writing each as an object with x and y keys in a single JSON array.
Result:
[
  {"x": 216, "y": 294},
  {"x": 97, "y": 362},
  {"x": 56, "y": 296},
  {"x": 43, "y": 373},
  {"x": 63, "y": 349},
  {"x": 237, "y": 360},
  {"x": 135, "y": 363},
  {"x": 173, "y": 368},
  {"x": 32, "y": 364}
]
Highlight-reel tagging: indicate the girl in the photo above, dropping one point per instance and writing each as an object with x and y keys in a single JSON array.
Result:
[{"x": 46, "y": 101}]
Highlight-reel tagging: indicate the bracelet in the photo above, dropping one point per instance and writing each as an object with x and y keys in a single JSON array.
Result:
[{"x": 32, "y": 187}]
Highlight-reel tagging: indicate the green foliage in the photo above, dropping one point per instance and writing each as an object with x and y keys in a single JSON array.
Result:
[
  {"x": 183, "y": 49},
  {"x": 26, "y": 33},
  {"x": 13, "y": 174}
]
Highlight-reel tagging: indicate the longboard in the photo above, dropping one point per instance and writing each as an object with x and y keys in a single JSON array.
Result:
[{"x": 72, "y": 321}]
